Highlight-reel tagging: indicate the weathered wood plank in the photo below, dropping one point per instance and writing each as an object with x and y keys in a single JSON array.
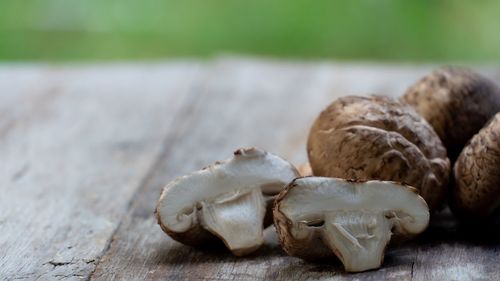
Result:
[
  {"x": 271, "y": 105},
  {"x": 75, "y": 143},
  {"x": 24, "y": 93}
]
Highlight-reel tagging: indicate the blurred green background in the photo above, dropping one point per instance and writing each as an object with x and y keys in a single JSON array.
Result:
[{"x": 54, "y": 30}]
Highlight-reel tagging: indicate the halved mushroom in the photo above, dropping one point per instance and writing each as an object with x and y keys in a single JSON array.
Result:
[
  {"x": 228, "y": 200},
  {"x": 315, "y": 216}
]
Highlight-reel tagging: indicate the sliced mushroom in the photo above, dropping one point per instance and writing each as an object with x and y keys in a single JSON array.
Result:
[
  {"x": 228, "y": 200},
  {"x": 315, "y": 216}
]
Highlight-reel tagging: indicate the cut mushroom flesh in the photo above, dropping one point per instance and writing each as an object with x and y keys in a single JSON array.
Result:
[
  {"x": 228, "y": 200},
  {"x": 355, "y": 220}
]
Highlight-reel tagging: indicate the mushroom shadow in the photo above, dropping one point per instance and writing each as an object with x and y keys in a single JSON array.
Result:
[
  {"x": 446, "y": 228},
  {"x": 216, "y": 252}
]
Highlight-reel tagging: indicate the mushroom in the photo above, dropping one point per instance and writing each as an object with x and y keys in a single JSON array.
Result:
[
  {"x": 305, "y": 170},
  {"x": 227, "y": 200},
  {"x": 457, "y": 102},
  {"x": 379, "y": 138},
  {"x": 316, "y": 217},
  {"x": 476, "y": 194}
]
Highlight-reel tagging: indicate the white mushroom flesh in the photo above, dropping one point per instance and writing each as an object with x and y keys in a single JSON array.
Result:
[
  {"x": 355, "y": 220},
  {"x": 228, "y": 199}
]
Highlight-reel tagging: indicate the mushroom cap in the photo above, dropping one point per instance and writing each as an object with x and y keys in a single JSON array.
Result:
[
  {"x": 366, "y": 138},
  {"x": 457, "y": 102},
  {"x": 227, "y": 200},
  {"x": 476, "y": 193},
  {"x": 316, "y": 217}
]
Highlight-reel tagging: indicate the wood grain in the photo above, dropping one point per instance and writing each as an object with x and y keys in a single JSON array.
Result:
[
  {"x": 75, "y": 144},
  {"x": 270, "y": 105},
  {"x": 85, "y": 152}
]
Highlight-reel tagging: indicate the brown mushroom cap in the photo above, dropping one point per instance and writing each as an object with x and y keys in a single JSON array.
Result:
[
  {"x": 457, "y": 102},
  {"x": 380, "y": 138},
  {"x": 476, "y": 193}
]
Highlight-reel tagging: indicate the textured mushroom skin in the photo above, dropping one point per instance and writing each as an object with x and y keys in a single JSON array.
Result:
[
  {"x": 457, "y": 103},
  {"x": 477, "y": 174},
  {"x": 380, "y": 138}
]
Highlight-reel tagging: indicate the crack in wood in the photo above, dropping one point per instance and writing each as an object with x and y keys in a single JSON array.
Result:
[
  {"x": 59, "y": 263},
  {"x": 411, "y": 273}
]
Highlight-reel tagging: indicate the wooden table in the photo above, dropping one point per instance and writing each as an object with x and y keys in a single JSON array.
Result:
[{"x": 86, "y": 149}]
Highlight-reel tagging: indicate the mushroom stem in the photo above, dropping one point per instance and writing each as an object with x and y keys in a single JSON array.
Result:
[
  {"x": 236, "y": 219},
  {"x": 358, "y": 238}
]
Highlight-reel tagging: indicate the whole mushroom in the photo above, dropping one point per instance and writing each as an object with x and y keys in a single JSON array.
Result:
[
  {"x": 366, "y": 138},
  {"x": 476, "y": 194},
  {"x": 457, "y": 102}
]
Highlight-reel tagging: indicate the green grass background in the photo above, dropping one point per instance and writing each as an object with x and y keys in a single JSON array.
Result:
[{"x": 420, "y": 30}]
